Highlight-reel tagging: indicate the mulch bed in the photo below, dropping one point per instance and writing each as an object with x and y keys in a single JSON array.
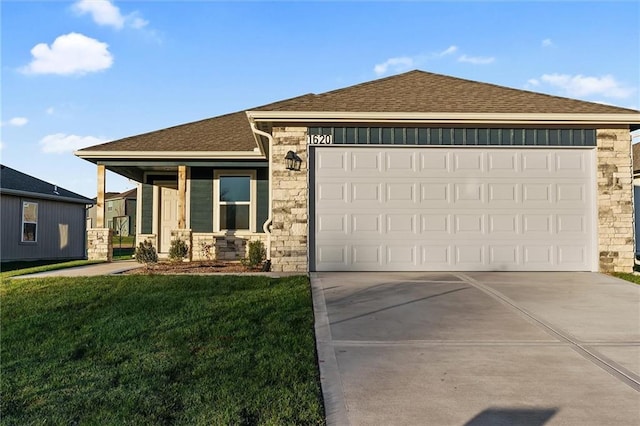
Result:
[{"x": 196, "y": 267}]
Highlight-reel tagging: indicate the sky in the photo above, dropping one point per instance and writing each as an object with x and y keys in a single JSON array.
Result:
[{"x": 79, "y": 73}]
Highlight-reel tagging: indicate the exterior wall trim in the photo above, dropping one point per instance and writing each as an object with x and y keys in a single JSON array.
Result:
[{"x": 404, "y": 117}]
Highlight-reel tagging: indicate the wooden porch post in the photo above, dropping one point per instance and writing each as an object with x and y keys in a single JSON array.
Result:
[
  {"x": 182, "y": 197},
  {"x": 100, "y": 197}
]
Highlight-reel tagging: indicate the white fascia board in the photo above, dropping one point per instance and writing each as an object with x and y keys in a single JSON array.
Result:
[
  {"x": 440, "y": 117},
  {"x": 171, "y": 155}
]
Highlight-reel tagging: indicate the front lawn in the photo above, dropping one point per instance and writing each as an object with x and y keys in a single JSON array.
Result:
[
  {"x": 158, "y": 350},
  {"x": 628, "y": 277}
]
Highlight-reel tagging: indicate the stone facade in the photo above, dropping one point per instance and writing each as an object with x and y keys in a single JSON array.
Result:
[
  {"x": 100, "y": 244},
  {"x": 615, "y": 201},
  {"x": 210, "y": 246},
  {"x": 289, "y": 242}
]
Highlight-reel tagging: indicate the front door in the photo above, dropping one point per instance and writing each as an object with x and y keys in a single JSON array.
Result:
[{"x": 168, "y": 216}]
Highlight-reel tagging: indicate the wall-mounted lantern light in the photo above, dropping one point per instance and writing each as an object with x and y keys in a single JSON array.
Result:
[{"x": 293, "y": 161}]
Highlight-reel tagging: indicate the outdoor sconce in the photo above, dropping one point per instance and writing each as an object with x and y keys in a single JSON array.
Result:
[{"x": 293, "y": 161}]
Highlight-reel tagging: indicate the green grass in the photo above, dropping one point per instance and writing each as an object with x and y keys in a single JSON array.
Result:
[
  {"x": 628, "y": 277},
  {"x": 12, "y": 269},
  {"x": 158, "y": 350}
]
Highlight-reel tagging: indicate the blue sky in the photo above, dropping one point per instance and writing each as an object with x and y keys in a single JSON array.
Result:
[{"x": 78, "y": 73}]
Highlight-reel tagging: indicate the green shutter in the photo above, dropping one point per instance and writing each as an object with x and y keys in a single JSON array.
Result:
[
  {"x": 262, "y": 198},
  {"x": 202, "y": 204},
  {"x": 147, "y": 209}
]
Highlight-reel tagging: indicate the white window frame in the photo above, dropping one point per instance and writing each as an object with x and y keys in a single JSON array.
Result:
[
  {"x": 22, "y": 222},
  {"x": 217, "y": 174}
]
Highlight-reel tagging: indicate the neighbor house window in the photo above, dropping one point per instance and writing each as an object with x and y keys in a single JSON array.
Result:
[
  {"x": 29, "y": 222},
  {"x": 235, "y": 200}
]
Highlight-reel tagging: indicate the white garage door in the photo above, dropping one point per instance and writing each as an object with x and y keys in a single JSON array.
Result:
[{"x": 460, "y": 209}]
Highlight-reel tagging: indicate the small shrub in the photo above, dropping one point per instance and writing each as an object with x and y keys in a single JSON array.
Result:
[
  {"x": 178, "y": 250},
  {"x": 205, "y": 250},
  {"x": 146, "y": 253},
  {"x": 257, "y": 253}
]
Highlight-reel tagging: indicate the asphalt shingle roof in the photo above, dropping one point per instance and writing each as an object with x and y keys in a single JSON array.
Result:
[
  {"x": 411, "y": 92},
  {"x": 420, "y": 91},
  {"x": 12, "y": 180}
]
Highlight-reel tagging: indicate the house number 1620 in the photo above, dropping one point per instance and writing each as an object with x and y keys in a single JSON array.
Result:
[{"x": 319, "y": 139}]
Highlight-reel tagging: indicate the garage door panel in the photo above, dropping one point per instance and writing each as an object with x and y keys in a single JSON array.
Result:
[
  {"x": 401, "y": 256},
  {"x": 434, "y": 162},
  {"x": 454, "y": 209},
  {"x": 366, "y": 224},
  {"x": 504, "y": 256},
  {"x": 572, "y": 163},
  {"x": 401, "y": 161},
  {"x": 366, "y": 162},
  {"x": 332, "y": 161},
  {"x": 367, "y": 256},
  {"x": 403, "y": 192},
  {"x": 468, "y": 161},
  {"x": 502, "y": 163},
  {"x": 332, "y": 192},
  {"x": 469, "y": 255},
  {"x": 436, "y": 224},
  {"x": 436, "y": 255}
]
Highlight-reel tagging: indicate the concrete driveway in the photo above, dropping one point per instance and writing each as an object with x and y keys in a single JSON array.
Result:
[{"x": 478, "y": 348}]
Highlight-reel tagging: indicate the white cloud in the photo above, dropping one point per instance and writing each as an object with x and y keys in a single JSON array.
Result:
[
  {"x": 71, "y": 53},
  {"x": 396, "y": 65},
  {"x": 448, "y": 51},
  {"x": 60, "y": 142},
  {"x": 16, "y": 122},
  {"x": 404, "y": 63},
  {"x": 50, "y": 111},
  {"x": 532, "y": 82},
  {"x": 547, "y": 42},
  {"x": 476, "y": 60},
  {"x": 2, "y": 145},
  {"x": 582, "y": 86},
  {"x": 105, "y": 13}
]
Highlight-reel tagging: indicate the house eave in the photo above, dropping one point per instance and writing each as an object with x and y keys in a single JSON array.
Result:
[
  {"x": 38, "y": 195},
  {"x": 444, "y": 118},
  {"x": 173, "y": 155}
]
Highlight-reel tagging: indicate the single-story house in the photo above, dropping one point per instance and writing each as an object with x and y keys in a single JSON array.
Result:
[
  {"x": 120, "y": 212},
  {"x": 39, "y": 220},
  {"x": 414, "y": 172}
]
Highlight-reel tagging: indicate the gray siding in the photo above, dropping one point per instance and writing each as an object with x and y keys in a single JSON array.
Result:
[{"x": 61, "y": 230}]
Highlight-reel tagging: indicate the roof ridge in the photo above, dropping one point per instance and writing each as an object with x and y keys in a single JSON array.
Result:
[{"x": 449, "y": 77}]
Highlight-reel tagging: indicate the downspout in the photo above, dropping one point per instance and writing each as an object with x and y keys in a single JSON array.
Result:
[{"x": 266, "y": 225}]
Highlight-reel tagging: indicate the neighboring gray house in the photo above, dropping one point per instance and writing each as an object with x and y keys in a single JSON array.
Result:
[
  {"x": 120, "y": 212},
  {"x": 38, "y": 220}
]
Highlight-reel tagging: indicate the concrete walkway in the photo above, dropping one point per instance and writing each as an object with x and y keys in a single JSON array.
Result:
[
  {"x": 478, "y": 348},
  {"x": 107, "y": 268}
]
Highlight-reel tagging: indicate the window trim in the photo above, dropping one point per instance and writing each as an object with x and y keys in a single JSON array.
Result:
[
  {"x": 22, "y": 222},
  {"x": 217, "y": 174}
]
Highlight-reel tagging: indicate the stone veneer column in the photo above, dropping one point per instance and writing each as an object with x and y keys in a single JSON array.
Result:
[
  {"x": 100, "y": 244},
  {"x": 289, "y": 240},
  {"x": 615, "y": 205}
]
